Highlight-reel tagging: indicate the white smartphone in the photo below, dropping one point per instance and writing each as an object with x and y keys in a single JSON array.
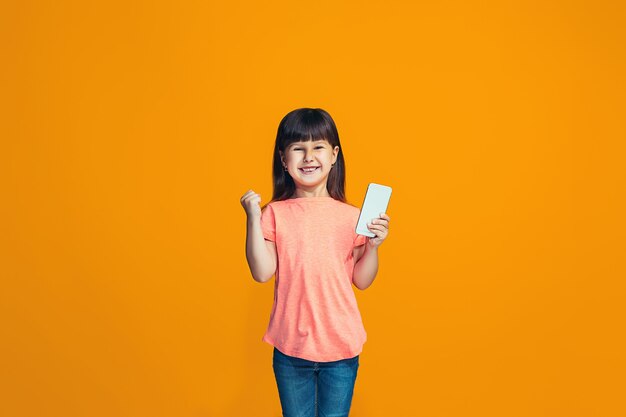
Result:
[{"x": 375, "y": 202}]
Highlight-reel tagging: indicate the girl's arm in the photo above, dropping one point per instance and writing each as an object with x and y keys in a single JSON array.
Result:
[
  {"x": 260, "y": 253},
  {"x": 367, "y": 265},
  {"x": 366, "y": 268}
]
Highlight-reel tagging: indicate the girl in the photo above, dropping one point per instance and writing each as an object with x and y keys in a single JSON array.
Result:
[{"x": 307, "y": 230}]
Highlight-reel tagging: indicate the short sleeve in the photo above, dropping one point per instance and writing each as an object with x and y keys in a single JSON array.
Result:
[
  {"x": 268, "y": 223},
  {"x": 359, "y": 240}
]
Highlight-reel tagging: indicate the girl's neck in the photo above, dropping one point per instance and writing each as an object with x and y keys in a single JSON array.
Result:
[
  {"x": 320, "y": 193},
  {"x": 311, "y": 197}
]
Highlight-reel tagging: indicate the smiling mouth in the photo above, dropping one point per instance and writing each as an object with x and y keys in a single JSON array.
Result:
[{"x": 308, "y": 171}]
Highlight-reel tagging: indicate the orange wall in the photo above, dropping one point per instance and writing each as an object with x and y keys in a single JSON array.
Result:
[{"x": 131, "y": 129}]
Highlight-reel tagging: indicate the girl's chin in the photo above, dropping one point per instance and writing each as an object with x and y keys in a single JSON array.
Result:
[{"x": 310, "y": 179}]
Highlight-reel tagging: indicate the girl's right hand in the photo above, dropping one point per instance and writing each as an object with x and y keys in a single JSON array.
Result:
[{"x": 251, "y": 204}]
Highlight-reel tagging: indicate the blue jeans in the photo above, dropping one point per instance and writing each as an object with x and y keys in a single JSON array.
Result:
[{"x": 314, "y": 389}]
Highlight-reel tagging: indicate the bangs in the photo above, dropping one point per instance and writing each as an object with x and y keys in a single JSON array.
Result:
[{"x": 306, "y": 126}]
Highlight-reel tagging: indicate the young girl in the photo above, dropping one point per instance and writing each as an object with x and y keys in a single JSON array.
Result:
[{"x": 306, "y": 237}]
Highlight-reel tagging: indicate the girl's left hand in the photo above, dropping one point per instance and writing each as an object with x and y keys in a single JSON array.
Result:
[{"x": 380, "y": 227}]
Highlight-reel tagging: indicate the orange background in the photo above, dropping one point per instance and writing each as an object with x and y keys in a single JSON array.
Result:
[{"x": 131, "y": 129}]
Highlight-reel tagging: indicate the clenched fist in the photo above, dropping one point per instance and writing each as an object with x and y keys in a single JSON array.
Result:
[{"x": 251, "y": 203}]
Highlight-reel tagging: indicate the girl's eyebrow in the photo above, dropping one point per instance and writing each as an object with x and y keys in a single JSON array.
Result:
[{"x": 318, "y": 142}]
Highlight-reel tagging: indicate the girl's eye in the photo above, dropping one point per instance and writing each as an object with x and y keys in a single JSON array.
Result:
[{"x": 317, "y": 147}]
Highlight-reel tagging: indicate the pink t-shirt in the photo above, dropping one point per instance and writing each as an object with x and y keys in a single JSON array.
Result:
[{"x": 315, "y": 314}]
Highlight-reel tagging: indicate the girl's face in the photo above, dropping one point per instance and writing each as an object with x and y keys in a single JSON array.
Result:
[{"x": 318, "y": 154}]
